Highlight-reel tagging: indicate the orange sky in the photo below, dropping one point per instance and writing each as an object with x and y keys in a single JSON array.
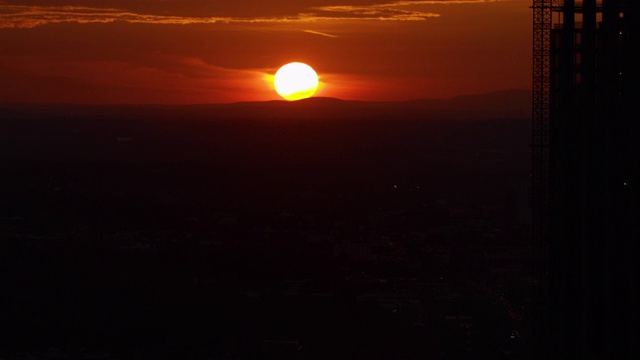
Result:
[{"x": 206, "y": 51}]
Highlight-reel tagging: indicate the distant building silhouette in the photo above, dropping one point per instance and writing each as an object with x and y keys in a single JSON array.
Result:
[{"x": 586, "y": 95}]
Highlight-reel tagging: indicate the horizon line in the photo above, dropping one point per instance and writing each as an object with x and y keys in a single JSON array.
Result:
[{"x": 282, "y": 101}]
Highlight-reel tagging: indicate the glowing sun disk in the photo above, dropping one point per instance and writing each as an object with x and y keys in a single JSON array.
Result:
[{"x": 296, "y": 81}]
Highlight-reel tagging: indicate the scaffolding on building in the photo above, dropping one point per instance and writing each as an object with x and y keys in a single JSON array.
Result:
[{"x": 541, "y": 113}]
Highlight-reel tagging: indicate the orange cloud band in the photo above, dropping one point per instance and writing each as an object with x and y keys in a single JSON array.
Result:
[{"x": 20, "y": 16}]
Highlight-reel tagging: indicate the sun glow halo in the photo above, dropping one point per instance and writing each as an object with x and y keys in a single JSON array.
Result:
[{"x": 296, "y": 81}]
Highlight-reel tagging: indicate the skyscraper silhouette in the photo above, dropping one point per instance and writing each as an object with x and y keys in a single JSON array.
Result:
[{"x": 586, "y": 96}]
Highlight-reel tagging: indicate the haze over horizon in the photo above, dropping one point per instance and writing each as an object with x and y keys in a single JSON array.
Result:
[{"x": 512, "y": 104}]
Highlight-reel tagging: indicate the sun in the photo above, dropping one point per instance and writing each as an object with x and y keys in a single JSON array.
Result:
[{"x": 296, "y": 81}]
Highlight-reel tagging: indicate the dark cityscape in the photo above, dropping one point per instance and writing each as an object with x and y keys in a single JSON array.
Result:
[{"x": 159, "y": 237}]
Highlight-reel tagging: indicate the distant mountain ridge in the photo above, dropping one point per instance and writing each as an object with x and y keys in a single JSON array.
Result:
[{"x": 500, "y": 104}]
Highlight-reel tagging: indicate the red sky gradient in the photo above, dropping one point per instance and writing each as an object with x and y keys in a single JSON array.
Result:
[{"x": 206, "y": 51}]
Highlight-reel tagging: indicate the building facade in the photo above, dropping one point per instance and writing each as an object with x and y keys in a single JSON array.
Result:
[{"x": 593, "y": 179}]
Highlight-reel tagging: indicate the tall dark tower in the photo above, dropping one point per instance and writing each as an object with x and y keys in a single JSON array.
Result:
[{"x": 590, "y": 174}]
